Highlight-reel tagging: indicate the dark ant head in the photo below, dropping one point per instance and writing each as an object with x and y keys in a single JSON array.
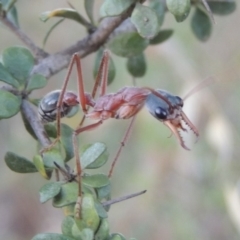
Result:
[
  {"x": 161, "y": 109},
  {"x": 47, "y": 107}
]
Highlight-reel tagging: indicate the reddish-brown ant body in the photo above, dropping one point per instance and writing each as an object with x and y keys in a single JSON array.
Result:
[{"x": 123, "y": 104}]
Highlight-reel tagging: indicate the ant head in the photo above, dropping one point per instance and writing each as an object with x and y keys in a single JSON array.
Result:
[
  {"x": 161, "y": 109},
  {"x": 47, "y": 107}
]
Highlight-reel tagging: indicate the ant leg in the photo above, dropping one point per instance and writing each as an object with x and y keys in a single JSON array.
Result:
[
  {"x": 101, "y": 79},
  {"x": 74, "y": 59},
  {"x": 123, "y": 142},
  {"x": 78, "y": 163}
]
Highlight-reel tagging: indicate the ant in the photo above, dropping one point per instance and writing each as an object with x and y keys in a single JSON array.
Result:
[{"x": 123, "y": 104}]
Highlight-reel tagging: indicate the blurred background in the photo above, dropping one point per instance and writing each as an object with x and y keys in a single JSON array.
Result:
[{"x": 190, "y": 194}]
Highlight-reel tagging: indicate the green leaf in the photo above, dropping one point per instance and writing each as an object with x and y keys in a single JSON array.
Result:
[
  {"x": 114, "y": 7},
  {"x": 103, "y": 230},
  {"x": 19, "y": 164},
  {"x": 9, "y": 104},
  {"x": 102, "y": 213},
  {"x": 36, "y": 81},
  {"x": 69, "y": 210},
  {"x": 51, "y": 236},
  {"x": 127, "y": 44},
  {"x": 12, "y": 16},
  {"x": 28, "y": 126},
  {"x": 66, "y": 140},
  {"x": 49, "y": 191},
  {"x": 96, "y": 180},
  {"x": 38, "y": 161},
  {"x": 201, "y": 25},
  {"x": 104, "y": 192},
  {"x": 89, "y": 217},
  {"x": 145, "y": 20},
  {"x": 51, "y": 130},
  {"x": 10, "y": 9},
  {"x": 6, "y": 77},
  {"x": 85, "y": 234},
  {"x": 88, "y": 4},
  {"x": 94, "y": 156},
  {"x": 159, "y": 8},
  {"x": 68, "y": 13},
  {"x": 67, "y": 196},
  {"x": 19, "y": 62},
  {"x": 179, "y": 8},
  {"x": 222, "y": 8},
  {"x": 51, "y": 156},
  {"x": 111, "y": 67},
  {"x": 161, "y": 36},
  {"x": 67, "y": 225},
  {"x": 136, "y": 65}
]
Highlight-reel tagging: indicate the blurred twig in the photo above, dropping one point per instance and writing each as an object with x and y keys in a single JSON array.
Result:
[
  {"x": 120, "y": 199},
  {"x": 56, "y": 62}
]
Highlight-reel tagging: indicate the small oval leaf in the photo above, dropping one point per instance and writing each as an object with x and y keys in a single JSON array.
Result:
[
  {"x": 51, "y": 156},
  {"x": 67, "y": 196},
  {"x": 69, "y": 210},
  {"x": 67, "y": 225},
  {"x": 222, "y": 8},
  {"x": 28, "y": 126},
  {"x": 145, "y": 20},
  {"x": 114, "y": 7},
  {"x": 9, "y": 104},
  {"x": 51, "y": 236},
  {"x": 6, "y": 77},
  {"x": 201, "y": 25},
  {"x": 19, "y": 62},
  {"x": 66, "y": 140},
  {"x": 12, "y": 16},
  {"x": 127, "y": 44},
  {"x": 51, "y": 130},
  {"x": 161, "y": 36},
  {"x": 36, "y": 81},
  {"x": 19, "y": 164},
  {"x": 159, "y": 8},
  {"x": 38, "y": 161},
  {"x": 104, "y": 192},
  {"x": 84, "y": 234},
  {"x": 89, "y": 216},
  {"x": 94, "y": 156},
  {"x": 96, "y": 180},
  {"x": 111, "y": 67},
  {"x": 179, "y": 8},
  {"x": 136, "y": 65},
  {"x": 103, "y": 230},
  {"x": 49, "y": 191},
  {"x": 102, "y": 213}
]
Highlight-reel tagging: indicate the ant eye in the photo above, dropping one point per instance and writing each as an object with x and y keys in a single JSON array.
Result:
[{"x": 160, "y": 113}]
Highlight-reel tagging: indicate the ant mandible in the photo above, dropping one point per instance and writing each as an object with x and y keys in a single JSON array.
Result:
[{"x": 123, "y": 104}]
